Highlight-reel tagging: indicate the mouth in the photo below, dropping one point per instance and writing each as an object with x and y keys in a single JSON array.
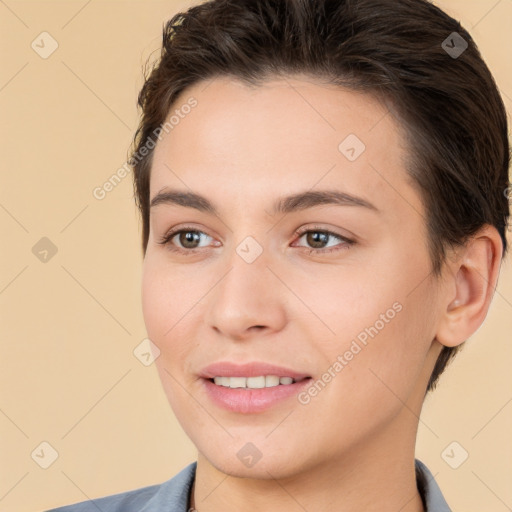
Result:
[
  {"x": 250, "y": 370},
  {"x": 255, "y": 382},
  {"x": 253, "y": 387}
]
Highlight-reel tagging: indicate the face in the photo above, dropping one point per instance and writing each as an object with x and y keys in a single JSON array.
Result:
[{"x": 335, "y": 290}]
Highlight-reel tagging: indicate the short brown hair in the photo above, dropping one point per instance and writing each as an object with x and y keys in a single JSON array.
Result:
[{"x": 452, "y": 115}]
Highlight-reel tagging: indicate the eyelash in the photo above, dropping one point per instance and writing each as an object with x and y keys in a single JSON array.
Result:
[{"x": 166, "y": 240}]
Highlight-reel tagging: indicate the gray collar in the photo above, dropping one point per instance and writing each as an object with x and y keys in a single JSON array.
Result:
[{"x": 432, "y": 497}]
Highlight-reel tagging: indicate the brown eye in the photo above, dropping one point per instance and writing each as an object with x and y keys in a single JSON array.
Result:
[
  {"x": 185, "y": 241},
  {"x": 188, "y": 239},
  {"x": 316, "y": 240}
]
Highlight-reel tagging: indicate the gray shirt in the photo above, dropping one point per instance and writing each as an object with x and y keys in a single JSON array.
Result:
[{"x": 173, "y": 495}]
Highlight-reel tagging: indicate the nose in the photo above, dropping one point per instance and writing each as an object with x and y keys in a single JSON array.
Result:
[{"x": 248, "y": 300}]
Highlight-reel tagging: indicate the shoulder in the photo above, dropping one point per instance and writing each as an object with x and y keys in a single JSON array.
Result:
[
  {"x": 431, "y": 494},
  {"x": 153, "y": 498}
]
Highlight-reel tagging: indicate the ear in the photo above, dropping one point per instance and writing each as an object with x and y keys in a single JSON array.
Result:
[{"x": 471, "y": 282}]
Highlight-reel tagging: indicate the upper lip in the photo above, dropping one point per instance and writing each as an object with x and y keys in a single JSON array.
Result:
[{"x": 251, "y": 369}]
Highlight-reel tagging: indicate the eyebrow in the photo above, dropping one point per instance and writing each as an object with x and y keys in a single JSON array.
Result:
[{"x": 295, "y": 202}]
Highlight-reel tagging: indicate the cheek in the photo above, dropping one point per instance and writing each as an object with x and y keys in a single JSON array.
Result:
[
  {"x": 373, "y": 380},
  {"x": 382, "y": 334},
  {"x": 346, "y": 303},
  {"x": 162, "y": 296},
  {"x": 161, "y": 317},
  {"x": 387, "y": 358},
  {"x": 152, "y": 301},
  {"x": 161, "y": 313},
  {"x": 169, "y": 308}
]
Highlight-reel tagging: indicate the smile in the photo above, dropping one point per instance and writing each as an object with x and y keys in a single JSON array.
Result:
[{"x": 262, "y": 381}]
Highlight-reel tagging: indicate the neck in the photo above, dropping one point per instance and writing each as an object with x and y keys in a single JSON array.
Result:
[{"x": 378, "y": 476}]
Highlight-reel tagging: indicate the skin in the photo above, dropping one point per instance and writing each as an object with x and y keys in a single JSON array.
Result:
[{"x": 351, "y": 448}]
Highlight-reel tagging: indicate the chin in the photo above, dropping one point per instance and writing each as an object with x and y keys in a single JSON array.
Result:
[{"x": 245, "y": 460}]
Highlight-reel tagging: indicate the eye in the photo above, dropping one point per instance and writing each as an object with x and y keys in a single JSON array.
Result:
[
  {"x": 187, "y": 238},
  {"x": 317, "y": 238}
]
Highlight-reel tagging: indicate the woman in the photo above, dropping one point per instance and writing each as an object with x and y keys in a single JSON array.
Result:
[{"x": 321, "y": 185}]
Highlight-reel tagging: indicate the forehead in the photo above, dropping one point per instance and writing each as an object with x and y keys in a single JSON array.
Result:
[{"x": 286, "y": 134}]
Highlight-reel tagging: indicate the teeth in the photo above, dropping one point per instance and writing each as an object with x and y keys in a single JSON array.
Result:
[
  {"x": 237, "y": 382},
  {"x": 256, "y": 382},
  {"x": 263, "y": 381},
  {"x": 272, "y": 380}
]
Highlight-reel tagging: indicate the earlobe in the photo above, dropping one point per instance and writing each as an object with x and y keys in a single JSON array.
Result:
[{"x": 470, "y": 287}]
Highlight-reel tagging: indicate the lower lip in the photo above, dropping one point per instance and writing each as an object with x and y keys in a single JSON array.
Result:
[{"x": 246, "y": 400}]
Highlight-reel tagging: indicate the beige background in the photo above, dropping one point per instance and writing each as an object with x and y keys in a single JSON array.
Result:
[{"x": 68, "y": 375}]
